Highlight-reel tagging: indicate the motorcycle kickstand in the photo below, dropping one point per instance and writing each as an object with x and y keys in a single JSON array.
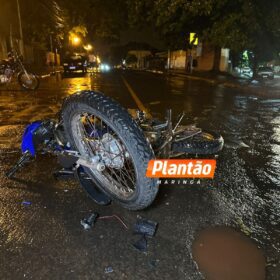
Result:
[{"x": 26, "y": 157}]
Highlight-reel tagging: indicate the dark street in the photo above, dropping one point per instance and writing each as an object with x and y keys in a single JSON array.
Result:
[{"x": 40, "y": 232}]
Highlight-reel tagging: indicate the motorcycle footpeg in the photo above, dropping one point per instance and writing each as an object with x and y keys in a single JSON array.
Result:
[{"x": 90, "y": 187}]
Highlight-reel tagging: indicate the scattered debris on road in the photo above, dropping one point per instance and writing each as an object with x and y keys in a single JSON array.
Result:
[
  {"x": 141, "y": 244},
  {"x": 89, "y": 222},
  {"x": 145, "y": 228},
  {"x": 26, "y": 203},
  {"x": 112, "y": 217},
  {"x": 108, "y": 269}
]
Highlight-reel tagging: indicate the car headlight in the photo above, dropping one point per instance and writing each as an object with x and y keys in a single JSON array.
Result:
[{"x": 105, "y": 67}]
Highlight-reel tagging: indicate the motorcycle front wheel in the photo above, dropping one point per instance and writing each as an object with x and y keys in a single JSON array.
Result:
[
  {"x": 97, "y": 126},
  {"x": 28, "y": 81}
]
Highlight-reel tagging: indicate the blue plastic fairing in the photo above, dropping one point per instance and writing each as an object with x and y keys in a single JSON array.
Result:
[{"x": 27, "y": 143}]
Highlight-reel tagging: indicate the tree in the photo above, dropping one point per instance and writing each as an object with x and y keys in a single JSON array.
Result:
[
  {"x": 238, "y": 25},
  {"x": 246, "y": 25},
  {"x": 42, "y": 19},
  {"x": 104, "y": 19}
]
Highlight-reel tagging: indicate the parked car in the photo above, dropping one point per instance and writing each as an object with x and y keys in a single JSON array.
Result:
[
  {"x": 247, "y": 71},
  {"x": 92, "y": 66},
  {"x": 266, "y": 72},
  {"x": 75, "y": 62}
]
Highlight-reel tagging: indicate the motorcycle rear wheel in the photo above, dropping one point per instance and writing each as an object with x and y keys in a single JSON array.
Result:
[
  {"x": 202, "y": 143},
  {"x": 87, "y": 117}
]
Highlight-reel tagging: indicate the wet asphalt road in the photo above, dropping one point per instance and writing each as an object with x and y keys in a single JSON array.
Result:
[{"x": 44, "y": 240}]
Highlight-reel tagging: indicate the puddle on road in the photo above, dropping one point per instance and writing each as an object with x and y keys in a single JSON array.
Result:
[{"x": 223, "y": 253}]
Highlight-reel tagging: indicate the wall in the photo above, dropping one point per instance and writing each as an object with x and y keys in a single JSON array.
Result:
[
  {"x": 3, "y": 47},
  {"x": 206, "y": 59},
  {"x": 141, "y": 57},
  {"x": 28, "y": 54},
  {"x": 178, "y": 59},
  {"x": 224, "y": 65},
  {"x": 32, "y": 54}
]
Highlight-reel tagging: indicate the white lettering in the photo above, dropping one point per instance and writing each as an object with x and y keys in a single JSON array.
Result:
[
  {"x": 172, "y": 170},
  {"x": 157, "y": 166},
  {"x": 206, "y": 169},
  {"x": 197, "y": 168}
]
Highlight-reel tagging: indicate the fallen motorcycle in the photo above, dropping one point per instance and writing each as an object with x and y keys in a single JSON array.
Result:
[
  {"x": 13, "y": 68},
  {"x": 107, "y": 149}
]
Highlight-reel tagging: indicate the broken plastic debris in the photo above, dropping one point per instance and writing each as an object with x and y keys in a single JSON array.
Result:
[
  {"x": 145, "y": 227},
  {"x": 26, "y": 203},
  {"x": 89, "y": 222},
  {"x": 108, "y": 269},
  {"x": 141, "y": 244}
]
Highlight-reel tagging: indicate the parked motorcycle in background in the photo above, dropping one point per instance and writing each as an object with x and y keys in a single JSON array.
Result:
[{"x": 13, "y": 68}]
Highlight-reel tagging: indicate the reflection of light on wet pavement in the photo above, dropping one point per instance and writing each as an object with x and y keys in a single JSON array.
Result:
[
  {"x": 276, "y": 135},
  {"x": 177, "y": 85},
  {"x": 78, "y": 84},
  {"x": 223, "y": 253},
  {"x": 275, "y": 157}
]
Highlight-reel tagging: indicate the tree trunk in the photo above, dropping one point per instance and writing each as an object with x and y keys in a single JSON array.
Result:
[{"x": 217, "y": 59}]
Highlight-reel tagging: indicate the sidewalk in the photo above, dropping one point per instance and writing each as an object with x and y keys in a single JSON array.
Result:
[
  {"x": 267, "y": 87},
  {"x": 44, "y": 71}
]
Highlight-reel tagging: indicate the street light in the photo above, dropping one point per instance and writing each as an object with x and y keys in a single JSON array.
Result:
[
  {"x": 88, "y": 47},
  {"x": 76, "y": 40}
]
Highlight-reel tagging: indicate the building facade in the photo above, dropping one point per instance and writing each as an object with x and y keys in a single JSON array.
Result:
[{"x": 201, "y": 57}]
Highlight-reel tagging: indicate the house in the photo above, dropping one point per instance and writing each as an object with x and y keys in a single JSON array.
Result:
[
  {"x": 202, "y": 57},
  {"x": 141, "y": 56},
  {"x": 10, "y": 36}
]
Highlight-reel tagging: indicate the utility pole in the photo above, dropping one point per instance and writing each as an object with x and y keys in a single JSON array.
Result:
[
  {"x": 20, "y": 30},
  {"x": 168, "y": 59},
  {"x": 52, "y": 52}
]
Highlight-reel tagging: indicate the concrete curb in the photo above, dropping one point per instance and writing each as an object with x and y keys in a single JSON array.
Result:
[{"x": 53, "y": 73}]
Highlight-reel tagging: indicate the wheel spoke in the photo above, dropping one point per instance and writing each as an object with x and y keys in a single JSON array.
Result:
[{"x": 123, "y": 178}]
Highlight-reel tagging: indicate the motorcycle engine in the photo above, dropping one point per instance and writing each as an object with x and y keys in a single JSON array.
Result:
[
  {"x": 4, "y": 79},
  {"x": 6, "y": 75},
  {"x": 112, "y": 152},
  {"x": 8, "y": 72}
]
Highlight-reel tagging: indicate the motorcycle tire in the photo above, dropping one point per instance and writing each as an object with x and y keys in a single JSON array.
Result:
[
  {"x": 203, "y": 143},
  {"x": 96, "y": 106},
  {"x": 35, "y": 84}
]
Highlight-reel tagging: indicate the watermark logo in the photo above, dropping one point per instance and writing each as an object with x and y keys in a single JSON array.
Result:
[{"x": 181, "y": 168}]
